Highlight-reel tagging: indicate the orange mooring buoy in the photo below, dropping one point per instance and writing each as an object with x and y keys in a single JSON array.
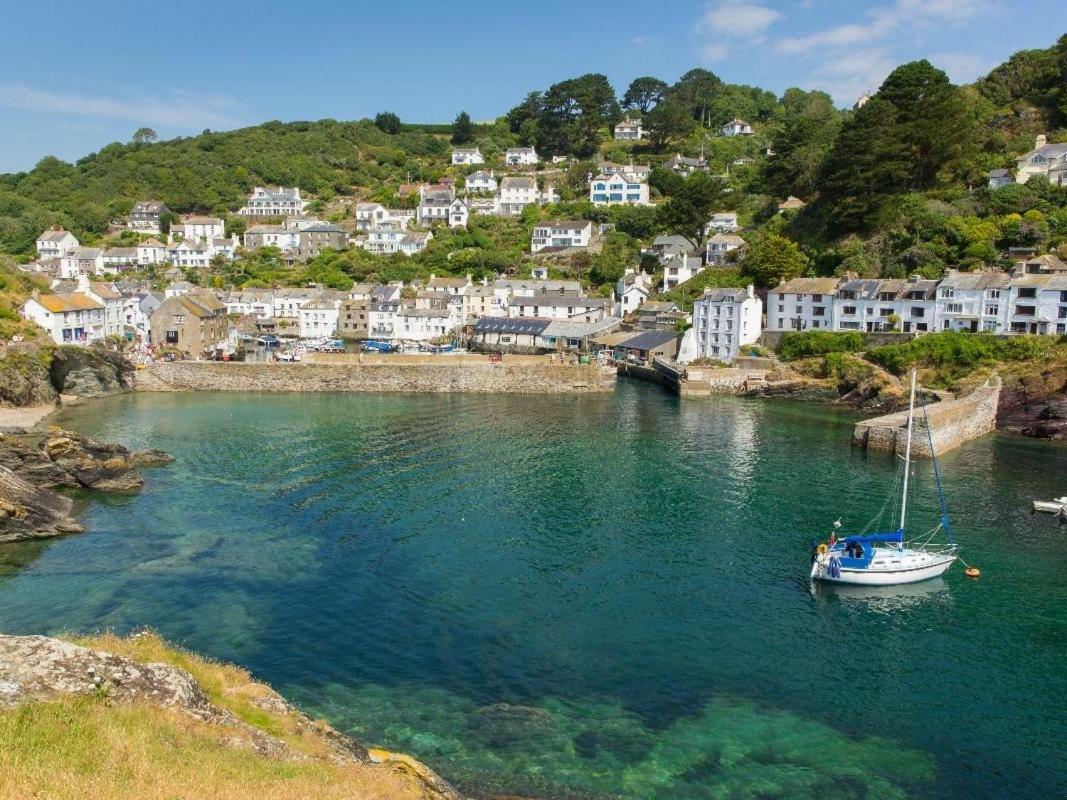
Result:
[{"x": 972, "y": 572}]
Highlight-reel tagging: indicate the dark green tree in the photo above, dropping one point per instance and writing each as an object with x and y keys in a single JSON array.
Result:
[
  {"x": 695, "y": 92},
  {"x": 462, "y": 129},
  {"x": 802, "y": 134},
  {"x": 643, "y": 93},
  {"x": 669, "y": 121},
  {"x": 773, "y": 258},
  {"x": 574, "y": 114},
  {"x": 387, "y": 122}
]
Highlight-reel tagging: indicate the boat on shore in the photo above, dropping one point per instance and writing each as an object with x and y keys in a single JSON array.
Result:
[{"x": 888, "y": 558}]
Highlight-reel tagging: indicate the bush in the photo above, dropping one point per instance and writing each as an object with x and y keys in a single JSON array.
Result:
[
  {"x": 953, "y": 354},
  {"x": 816, "y": 343}
]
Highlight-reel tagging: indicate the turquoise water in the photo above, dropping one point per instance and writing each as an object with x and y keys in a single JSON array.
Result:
[{"x": 584, "y": 597}]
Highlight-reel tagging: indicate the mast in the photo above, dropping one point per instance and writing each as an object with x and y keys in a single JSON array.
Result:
[{"x": 907, "y": 452}]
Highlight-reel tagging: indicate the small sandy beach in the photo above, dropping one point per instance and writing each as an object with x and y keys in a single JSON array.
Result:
[{"x": 25, "y": 417}]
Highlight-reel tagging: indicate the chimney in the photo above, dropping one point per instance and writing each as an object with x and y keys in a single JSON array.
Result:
[{"x": 1040, "y": 141}]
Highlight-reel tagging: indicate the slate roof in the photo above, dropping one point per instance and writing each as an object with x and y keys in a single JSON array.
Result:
[
  {"x": 53, "y": 236},
  {"x": 528, "y": 325},
  {"x": 649, "y": 340},
  {"x": 807, "y": 286}
]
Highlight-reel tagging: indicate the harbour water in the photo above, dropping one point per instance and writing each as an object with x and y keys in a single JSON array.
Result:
[{"x": 584, "y": 597}]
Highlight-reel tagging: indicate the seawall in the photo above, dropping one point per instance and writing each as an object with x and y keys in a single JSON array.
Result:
[
  {"x": 952, "y": 422},
  {"x": 482, "y": 377}
]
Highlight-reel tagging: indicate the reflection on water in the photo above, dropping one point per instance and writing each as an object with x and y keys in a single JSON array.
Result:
[{"x": 584, "y": 596}]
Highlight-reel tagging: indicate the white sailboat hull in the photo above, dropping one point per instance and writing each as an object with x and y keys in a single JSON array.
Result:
[{"x": 909, "y": 567}]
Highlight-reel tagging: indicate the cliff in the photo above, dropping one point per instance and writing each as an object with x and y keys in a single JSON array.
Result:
[
  {"x": 134, "y": 718},
  {"x": 32, "y": 374}
]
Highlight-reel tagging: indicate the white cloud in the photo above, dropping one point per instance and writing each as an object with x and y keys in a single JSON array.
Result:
[
  {"x": 886, "y": 20},
  {"x": 181, "y": 110},
  {"x": 713, "y": 53},
  {"x": 961, "y": 67},
  {"x": 740, "y": 20},
  {"x": 849, "y": 75}
]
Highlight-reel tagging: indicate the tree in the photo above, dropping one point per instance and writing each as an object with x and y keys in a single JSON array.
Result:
[
  {"x": 803, "y": 133},
  {"x": 644, "y": 93},
  {"x": 694, "y": 201},
  {"x": 387, "y": 122},
  {"x": 144, "y": 136},
  {"x": 462, "y": 129},
  {"x": 773, "y": 258},
  {"x": 574, "y": 113},
  {"x": 696, "y": 91},
  {"x": 667, "y": 122}
]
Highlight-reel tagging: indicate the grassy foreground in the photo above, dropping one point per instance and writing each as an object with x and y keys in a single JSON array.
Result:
[{"x": 91, "y": 746}]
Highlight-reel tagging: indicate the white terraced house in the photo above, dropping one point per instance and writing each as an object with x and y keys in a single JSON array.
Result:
[
  {"x": 467, "y": 155},
  {"x": 1038, "y": 304},
  {"x": 285, "y": 239},
  {"x": 481, "y": 181},
  {"x": 868, "y": 304},
  {"x": 277, "y": 202},
  {"x": 972, "y": 301},
  {"x": 622, "y": 188},
  {"x": 629, "y": 130},
  {"x": 802, "y": 304},
  {"x": 320, "y": 317},
  {"x": 631, "y": 291},
  {"x": 151, "y": 251},
  {"x": 723, "y": 321},
  {"x": 641, "y": 171},
  {"x": 517, "y": 192},
  {"x": 560, "y": 234},
  {"x": 198, "y": 229},
  {"x": 1047, "y": 160},
  {"x": 722, "y": 222},
  {"x": 736, "y": 127},
  {"x": 458, "y": 212},
  {"x": 375, "y": 215},
  {"x": 69, "y": 317},
  {"x": 519, "y": 156},
  {"x": 435, "y": 201},
  {"x": 918, "y": 304},
  {"x": 55, "y": 243},
  {"x": 553, "y": 306}
]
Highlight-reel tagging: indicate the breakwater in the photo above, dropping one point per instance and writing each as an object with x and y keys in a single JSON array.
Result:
[
  {"x": 481, "y": 377},
  {"x": 951, "y": 423}
]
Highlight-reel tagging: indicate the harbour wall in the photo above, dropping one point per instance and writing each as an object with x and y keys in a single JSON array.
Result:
[
  {"x": 952, "y": 422},
  {"x": 482, "y": 377}
]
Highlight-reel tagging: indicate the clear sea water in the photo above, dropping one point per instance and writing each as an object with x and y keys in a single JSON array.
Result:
[{"x": 584, "y": 597}]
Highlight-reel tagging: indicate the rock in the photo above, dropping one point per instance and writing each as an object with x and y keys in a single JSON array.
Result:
[
  {"x": 28, "y": 511},
  {"x": 100, "y": 465},
  {"x": 90, "y": 371},
  {"x": 25, "y": 379}
]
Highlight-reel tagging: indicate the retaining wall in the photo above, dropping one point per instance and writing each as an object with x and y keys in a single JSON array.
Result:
[
  {"x": 477, "y": 378},
  {"x": 952, "y": 422}
]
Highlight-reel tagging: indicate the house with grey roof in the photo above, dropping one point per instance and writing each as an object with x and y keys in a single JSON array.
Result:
[
  {"x": 467, "y": 155},
  {"x": 1000, "y": 177},
  {"x": 1045, "y": 160},
  {"x": 274, "y": 202},
  {"x": 54, "y": 243},
  {"x": 145, "y": 217},
  {"x": 519, "y": 156},
  {"x": 868, "y": 304},
  {"x": 686, "y": 166},
  {"x": 559, "y": 235},
  {"x": 972, "y": 301},
  {"x": 723, "y": 321}
]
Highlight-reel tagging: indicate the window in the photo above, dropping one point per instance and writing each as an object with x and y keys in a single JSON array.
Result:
[
  {"x": 179, "y": 319},
  {"x": 954, "y": 308},
  {"x": 1027, "y": 291},
  {"x": 819, "y": 311},
  {"x": 848, "y": 310},
  {"x": 171, "y": 337},
  {"x": 1024, "y": 311},
  {"x": 947, "y": 292},
  {"x": 885, "y": 312},
  {"x": 918, "y": 311},
  {"x": 816, "y": 298},
  {"x": 994, "y": 294},
  {"x": 1063, "y": 313},
  {"x": 992, "y": 309}
]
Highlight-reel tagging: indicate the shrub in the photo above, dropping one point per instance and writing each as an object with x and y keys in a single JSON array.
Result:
[{"x": 816, "y": 343}]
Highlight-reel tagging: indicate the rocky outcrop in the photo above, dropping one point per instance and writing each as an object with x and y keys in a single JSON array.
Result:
[
  {"x": 32, "y": 470},
  {"x": 28, "y": 511},
  {"x": 25, "y": 377},
  {"x": 90, "y": 371},
  {"x": 1035, "y": 404},
  {"x": 41, "y": 668}
]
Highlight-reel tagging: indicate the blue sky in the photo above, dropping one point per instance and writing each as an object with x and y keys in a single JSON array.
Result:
[{"x": 78, "y": 75}]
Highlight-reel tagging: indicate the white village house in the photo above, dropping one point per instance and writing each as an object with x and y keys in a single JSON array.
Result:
[
  {"x": 802, "y": 304},
  {"x": 736, "y": 127},
  {"x": 560, "y": 234},
  {"x": 467, "y": 155},
  {"x": 69, "y": 317},
  {"x": 517, "y": 192},
  {"x": 521, "y": 156},
  {"x": 631, "y": 291},
  {"x": 723, "y": 321},
  {"x": 276, "y": 202},
  {"x": 481, "y": 181},
  {"x": 55, "y": 243},
  {"x": 629, "y": 130},
  {"x": 622, "y": 188},
  {"x": 1047, "y": 160}
]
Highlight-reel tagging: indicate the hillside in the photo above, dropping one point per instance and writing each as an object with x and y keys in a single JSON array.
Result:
[
  {"x": 893, "y": 187},
  {"x": 119, "y": 718}
]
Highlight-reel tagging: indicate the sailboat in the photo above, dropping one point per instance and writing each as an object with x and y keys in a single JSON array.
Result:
[{"x": 888, "y": 558}]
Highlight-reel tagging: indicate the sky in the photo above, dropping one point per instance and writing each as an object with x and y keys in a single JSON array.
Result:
[{"x": 78, "y": 75}]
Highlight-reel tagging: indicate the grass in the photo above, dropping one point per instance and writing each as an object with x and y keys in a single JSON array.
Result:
[{"x": 90, "y": 746}]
